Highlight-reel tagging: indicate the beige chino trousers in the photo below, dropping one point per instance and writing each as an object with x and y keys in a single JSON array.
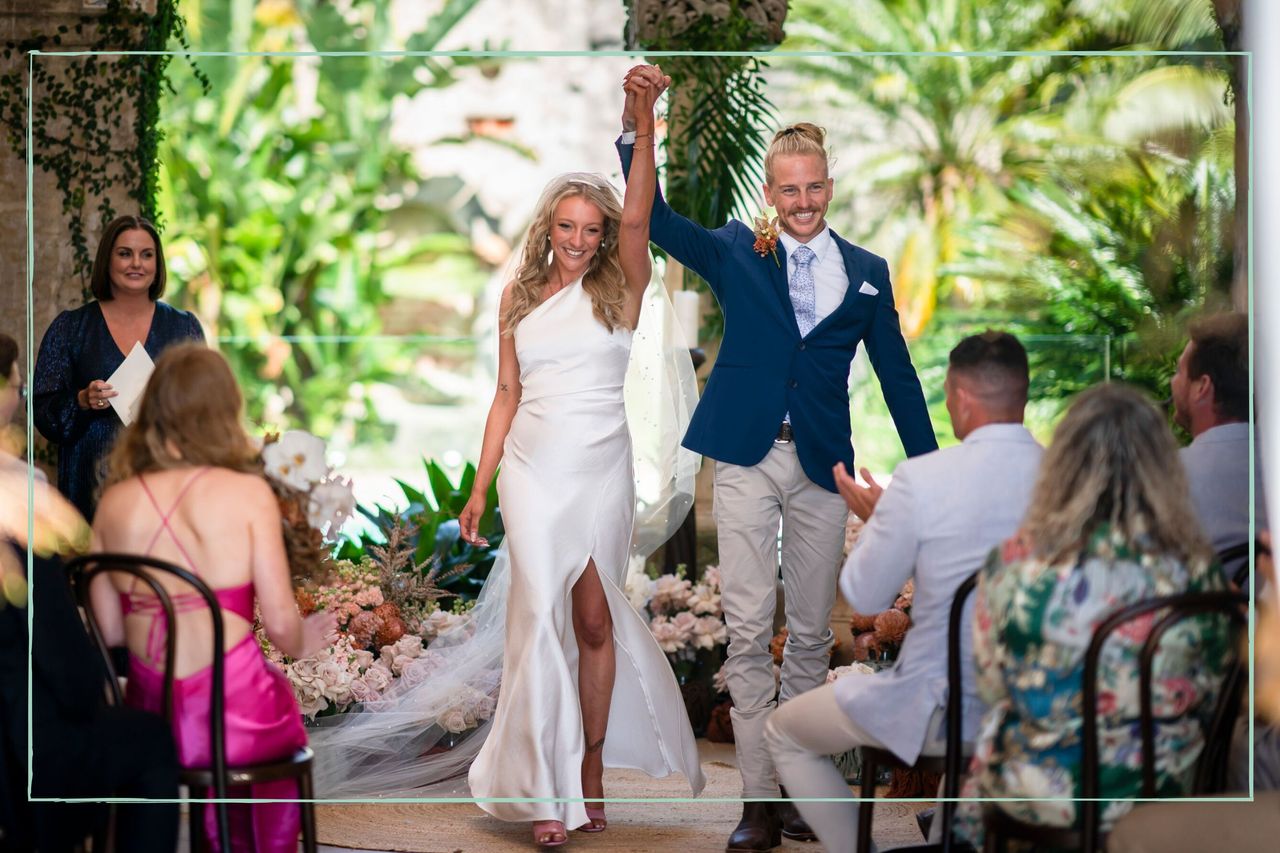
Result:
[{"x": 749, "y": 503}]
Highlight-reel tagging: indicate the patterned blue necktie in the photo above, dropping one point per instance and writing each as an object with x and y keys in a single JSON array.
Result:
[{"x": 802, "y": 290}]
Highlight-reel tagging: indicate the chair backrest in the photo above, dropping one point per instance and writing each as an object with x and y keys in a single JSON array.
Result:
[
  {"x": 1179, "y": 607},
  {"x": 83, "y": 570},
  {"x": 1232, "y": 553},
  {"x": 955, "y": 707}
]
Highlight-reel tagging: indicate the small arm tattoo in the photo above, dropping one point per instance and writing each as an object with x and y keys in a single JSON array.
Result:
[{"x": 502, "y": 386}]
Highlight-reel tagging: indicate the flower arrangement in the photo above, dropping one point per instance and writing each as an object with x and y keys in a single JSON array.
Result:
[
  {"x": 388, "y": 611},
  {"x": 684, "y": 617},
  {"x": 766, "y": 231},
  {"x": 314, "y": 501}
]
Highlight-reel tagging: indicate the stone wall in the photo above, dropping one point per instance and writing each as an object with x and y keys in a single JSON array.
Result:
[{"x": 55, "y": 287}]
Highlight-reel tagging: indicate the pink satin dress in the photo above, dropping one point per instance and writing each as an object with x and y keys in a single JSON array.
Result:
[{"x": 262, "y": 718}]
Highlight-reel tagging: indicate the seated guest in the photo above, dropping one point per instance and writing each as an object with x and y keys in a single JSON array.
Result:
[
  {"x": 184, "y": 485},
  {"x": 81, "y": 747},
  {"x": 1211, "y": 401},
  {"x": 1109, "y": 525},
  {"x": 1193, "y": 827},
  {"x": 937, "y": 520}
]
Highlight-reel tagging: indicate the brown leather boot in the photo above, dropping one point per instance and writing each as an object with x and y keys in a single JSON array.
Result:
[
  {"x": 758, "y": 830},
  {"x": 794, "y": 826}
]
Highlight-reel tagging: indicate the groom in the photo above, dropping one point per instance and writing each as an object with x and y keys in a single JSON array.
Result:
[{"x": 775, "y": 418}]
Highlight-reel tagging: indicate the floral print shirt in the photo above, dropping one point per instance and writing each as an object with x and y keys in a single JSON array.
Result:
[{"x": 1032, "y": 624}]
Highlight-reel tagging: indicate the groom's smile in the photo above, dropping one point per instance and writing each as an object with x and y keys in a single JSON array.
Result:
[{"x": 800, "y": 192}]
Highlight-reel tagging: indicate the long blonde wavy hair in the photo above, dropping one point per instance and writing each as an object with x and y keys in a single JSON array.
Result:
[
  {"x": 189, "y": 414},
  {"x": 603, "y": 281},
  {"x": 1113, "y": 461}
]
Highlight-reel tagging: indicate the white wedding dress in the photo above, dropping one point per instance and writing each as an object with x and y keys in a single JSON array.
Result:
[{"x": 567, "y": 493}]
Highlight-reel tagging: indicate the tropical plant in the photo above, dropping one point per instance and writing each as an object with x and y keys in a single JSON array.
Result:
[
  {"x": 278, "y": 189},
  {"x": 719, "y": 111},
  {"x": 944, "y": 136},
  {"x": 429, "y": 523}
]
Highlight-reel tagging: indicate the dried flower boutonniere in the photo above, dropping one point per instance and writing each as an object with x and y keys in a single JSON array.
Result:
[{"x": 766, "y": 231}]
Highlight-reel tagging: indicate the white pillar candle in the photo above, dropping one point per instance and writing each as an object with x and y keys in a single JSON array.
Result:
[{"x": 688, "y": 312}]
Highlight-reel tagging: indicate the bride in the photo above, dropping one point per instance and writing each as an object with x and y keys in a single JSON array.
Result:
[
  {"x": 583, "y": 683},
  {"x": 579, "y": 662}
]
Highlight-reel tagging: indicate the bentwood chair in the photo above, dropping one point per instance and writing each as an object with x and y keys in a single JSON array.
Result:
[
  {"x": 1211, "y": 765},
  {"x": 199, "y": 780},
  {"x": 948, "y": 764},
  {"x": 1237, "y": 553}
]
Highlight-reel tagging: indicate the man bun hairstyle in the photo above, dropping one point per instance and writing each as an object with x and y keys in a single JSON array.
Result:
[{"x": 800, "y": 138}]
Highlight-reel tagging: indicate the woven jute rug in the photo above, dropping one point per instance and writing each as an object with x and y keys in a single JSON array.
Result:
[{"x": 689, "y": 827}]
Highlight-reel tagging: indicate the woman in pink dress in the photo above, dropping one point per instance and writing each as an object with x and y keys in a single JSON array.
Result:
[{"x": 184, "y": 486}]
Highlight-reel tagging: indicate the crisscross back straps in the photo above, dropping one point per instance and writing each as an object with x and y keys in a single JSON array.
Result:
[{"x": 183, "y": 602}]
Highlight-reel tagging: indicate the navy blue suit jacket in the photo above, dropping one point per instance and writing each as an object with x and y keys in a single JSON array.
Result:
[{"x": 764, "y": 368}]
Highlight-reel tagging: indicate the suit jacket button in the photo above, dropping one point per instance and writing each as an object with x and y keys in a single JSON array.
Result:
[
  {"x": 801, "y": 345},
  {"x": 795, "y": 384}
]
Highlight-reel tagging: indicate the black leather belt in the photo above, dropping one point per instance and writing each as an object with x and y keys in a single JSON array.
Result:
[{"x": 785, "y": 435}]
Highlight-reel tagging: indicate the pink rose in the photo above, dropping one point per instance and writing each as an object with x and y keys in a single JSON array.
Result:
[
  {"x": 361, "y": 691},
  {"x": 378, "y": 677}
]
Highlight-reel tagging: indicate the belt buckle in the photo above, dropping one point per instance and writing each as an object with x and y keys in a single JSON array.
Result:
[{"x": 785, "y": 436}]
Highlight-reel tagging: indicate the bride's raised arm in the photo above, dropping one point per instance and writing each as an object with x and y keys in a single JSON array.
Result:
[{"x": 643, "y": 85}]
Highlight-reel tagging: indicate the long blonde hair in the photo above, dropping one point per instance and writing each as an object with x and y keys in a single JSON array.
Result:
[
  {"x": 603, "y": 281},
  {"x": 190, "y": 414},
  {"x": 1113, "y": 461},
  {"x": 800, "y": 138}
]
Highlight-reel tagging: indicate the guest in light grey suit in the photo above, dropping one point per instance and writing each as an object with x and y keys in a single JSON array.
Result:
[
  {"x": 936, "y": 522},
  {"x": 1211, "y": 401}
]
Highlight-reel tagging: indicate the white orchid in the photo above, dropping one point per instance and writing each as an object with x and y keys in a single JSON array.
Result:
[
  {"x": 331, "y": 503},
  {"x": 297, "y": 459}
]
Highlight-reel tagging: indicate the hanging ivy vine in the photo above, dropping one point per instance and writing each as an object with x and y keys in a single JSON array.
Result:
[{"x": 94, "y": 118}]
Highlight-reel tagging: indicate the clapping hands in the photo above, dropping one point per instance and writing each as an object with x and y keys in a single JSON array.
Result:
[{"x": 861, "y": 499}]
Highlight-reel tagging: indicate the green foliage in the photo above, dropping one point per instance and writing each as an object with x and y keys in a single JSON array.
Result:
[
  {"x": 437, "y": 539},
  {"x": 718, "y": 117},
  {"x": 79, "y": 111},
  {"x": 279, "y": 187}
]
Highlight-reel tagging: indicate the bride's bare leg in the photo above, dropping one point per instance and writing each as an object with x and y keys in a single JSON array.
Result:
[{"x": 593, "y": 627}]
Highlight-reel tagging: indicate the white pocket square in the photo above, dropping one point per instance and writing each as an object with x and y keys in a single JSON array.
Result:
[{"x": 868, "y": 289}]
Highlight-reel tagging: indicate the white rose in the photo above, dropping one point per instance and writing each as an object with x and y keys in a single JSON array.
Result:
[
  {"x": 454, "y": 720},
  {"x": 362, "y": 659},
  {"x": 637, "y": 590},
  {"x": 297, "y": 459}
]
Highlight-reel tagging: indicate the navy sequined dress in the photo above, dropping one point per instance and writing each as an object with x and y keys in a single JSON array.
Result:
[{"x": 77, "y": 349}]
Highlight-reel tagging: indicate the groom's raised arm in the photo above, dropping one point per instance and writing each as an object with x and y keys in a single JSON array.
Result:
[{"x": 700, "y": 249}]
